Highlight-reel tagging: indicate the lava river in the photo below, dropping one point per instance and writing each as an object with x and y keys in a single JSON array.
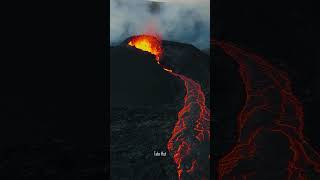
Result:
[
  {"x": 271, "y": 110},
  {"x": 190, "y": 139}
]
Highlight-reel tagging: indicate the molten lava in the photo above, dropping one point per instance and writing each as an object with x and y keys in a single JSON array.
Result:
[
  {"x": 192, "y": 129},
  {"x": 147, "y": 43},
  {"x": 270, "y": 108},
  {"x": 191, "y": 134}
]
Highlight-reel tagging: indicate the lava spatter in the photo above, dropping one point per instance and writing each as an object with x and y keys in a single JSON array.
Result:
[
  {"x": 189, "y": 142},
  {"x": 147, "y": 43},
  {"x": 268, "y": 93}
]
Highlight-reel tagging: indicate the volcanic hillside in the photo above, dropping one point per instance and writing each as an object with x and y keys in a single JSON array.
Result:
[
  {"x": 145, "y": 101},
  {"x": 136, "y": 79}
]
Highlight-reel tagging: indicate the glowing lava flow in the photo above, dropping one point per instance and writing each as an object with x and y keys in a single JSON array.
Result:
[
  {"x": 189, "y": 142},
  {"x": 190, "y": 133},
  {"x": 147, "y": 43},
  {"x": 270, "y": 108}
]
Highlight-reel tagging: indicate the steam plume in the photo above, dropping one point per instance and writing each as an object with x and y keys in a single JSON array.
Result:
[{"x": 185, "y": 21}]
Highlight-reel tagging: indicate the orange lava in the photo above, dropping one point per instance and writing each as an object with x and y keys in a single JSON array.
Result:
[
  {"x": 192, "y": 128},
  {"x": 191, "y": 131},
  {"x": 283, "y": 116},
  {"x": 147, "y": 43}
]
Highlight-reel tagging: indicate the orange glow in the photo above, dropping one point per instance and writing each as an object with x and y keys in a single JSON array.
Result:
[
  {"x": 190, "y": 122},
  {"x": 147, "y": 43},
  {"x": 169, "y": 70}
]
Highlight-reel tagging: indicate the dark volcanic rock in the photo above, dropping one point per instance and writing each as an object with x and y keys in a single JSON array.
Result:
[
  {"x": 136, "y": 79},
  {"x": 145, "y": 101},
  {"x": 184, "y": 59},
  {"x": 187, "y": 60},
  {"x": 135, "y": 134},
  {"x": 229, "y": 97}
]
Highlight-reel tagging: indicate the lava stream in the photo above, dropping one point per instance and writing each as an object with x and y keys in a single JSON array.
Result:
[
  {"x": 270, "y": 108},
  {"x": 189, "y": 142},
  {"x": 191, "y": 133}
]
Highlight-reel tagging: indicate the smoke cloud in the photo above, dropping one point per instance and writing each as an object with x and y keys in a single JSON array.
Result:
[{"x": 186, "y": 21}]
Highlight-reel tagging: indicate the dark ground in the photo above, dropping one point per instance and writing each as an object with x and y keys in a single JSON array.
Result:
[
  {"x": 53, "y": 76},
  {"x": 145, "y": 101},
  {"x": 283, "y": 32}
]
